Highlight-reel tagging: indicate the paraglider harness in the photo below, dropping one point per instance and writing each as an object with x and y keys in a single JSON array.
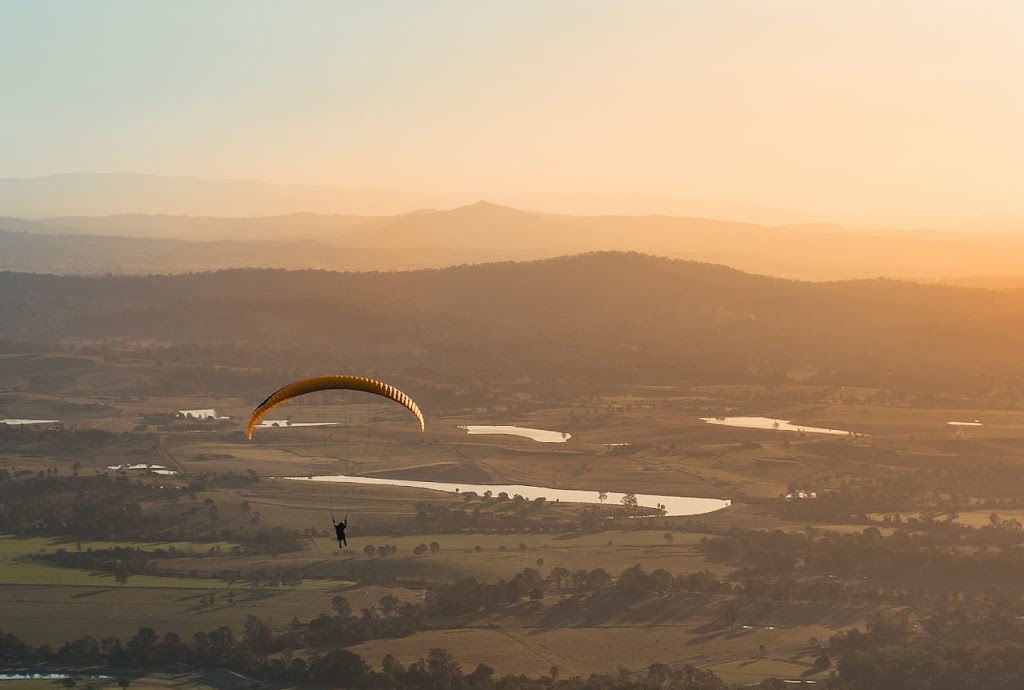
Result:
[{"x": 339, "y": 530}]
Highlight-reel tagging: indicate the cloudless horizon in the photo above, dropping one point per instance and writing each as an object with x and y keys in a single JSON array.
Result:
[{"x": 885, "y": 111}]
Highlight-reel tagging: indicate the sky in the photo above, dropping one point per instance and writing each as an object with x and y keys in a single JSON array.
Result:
[{"x": 873, "y": 108}]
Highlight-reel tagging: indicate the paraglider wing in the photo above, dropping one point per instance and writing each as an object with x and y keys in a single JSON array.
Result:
[{"x": 322, "y": 383}]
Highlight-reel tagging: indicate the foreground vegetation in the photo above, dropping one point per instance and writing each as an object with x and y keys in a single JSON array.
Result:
[{"x": 885, "y": 558}]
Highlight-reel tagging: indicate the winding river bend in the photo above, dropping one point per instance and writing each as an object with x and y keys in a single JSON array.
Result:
[{"x": 674, "y": 505}]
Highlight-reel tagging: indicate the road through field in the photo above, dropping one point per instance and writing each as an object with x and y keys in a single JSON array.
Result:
[
  {"x": 166, "y": 459},
  {"x": 539, "y": 649}
]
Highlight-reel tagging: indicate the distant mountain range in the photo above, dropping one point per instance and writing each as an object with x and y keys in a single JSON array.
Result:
[
  {"x": 112, "y": 194},
  {"x": 486, "y": 232},
  {"x": 93, "y": 194}
]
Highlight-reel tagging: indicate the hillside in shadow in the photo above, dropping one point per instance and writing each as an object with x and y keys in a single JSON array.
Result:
[{"x": 597, "y": 317}]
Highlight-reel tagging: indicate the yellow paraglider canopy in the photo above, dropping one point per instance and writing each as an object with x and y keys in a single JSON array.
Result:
[{"x": 321, "y": 383}]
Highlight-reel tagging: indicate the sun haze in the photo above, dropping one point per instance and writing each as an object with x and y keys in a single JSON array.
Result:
[{"x": 892, "y": 112}]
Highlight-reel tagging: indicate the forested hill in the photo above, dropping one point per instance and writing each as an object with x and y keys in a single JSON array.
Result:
[{"x": 595, "y": 317}]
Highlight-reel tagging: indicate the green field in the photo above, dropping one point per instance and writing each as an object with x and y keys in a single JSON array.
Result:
[
  {"x": 753, "y": 670},
  {"x": 17, "y": 571},
  {"x": 672, "y": 452}
]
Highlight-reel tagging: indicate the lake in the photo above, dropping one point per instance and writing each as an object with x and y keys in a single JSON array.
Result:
[
  {"x": 541, "y": 435},
  {"x": 285, "y": 424},
  {"x": 155, "y": 469},
  {"x": 20, "y": 422},
  {"x": 775, "y": 424},
  {"x": 674, "y": 505}
]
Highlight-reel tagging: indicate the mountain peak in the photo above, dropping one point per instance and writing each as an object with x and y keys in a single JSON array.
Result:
[{"x": 488, "y": 207}]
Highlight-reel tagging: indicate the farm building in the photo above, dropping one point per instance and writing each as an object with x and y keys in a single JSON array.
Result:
[{"x": 208, "y": 413}]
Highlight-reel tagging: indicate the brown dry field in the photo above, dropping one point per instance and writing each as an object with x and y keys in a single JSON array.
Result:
[
  {"x": 56, "y": 614},
  {"x": 661, "y": 630},
  {"x": 613, "y": 550},
  {"x": 672, "y": 452}
]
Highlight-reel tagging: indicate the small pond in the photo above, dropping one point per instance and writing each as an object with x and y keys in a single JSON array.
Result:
[
  {"x": 541, "y": 435},
  {"x": 155, "y": 469},
  {"x": 770, "y": 423}
]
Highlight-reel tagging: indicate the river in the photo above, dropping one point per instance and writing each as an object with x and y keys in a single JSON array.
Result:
[{"x": 674, "y": 505}]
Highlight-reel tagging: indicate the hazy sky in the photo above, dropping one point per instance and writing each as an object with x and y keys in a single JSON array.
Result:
[{"x": 830, "y": 105}]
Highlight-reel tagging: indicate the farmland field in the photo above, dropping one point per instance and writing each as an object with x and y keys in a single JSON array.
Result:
[{"x": 669, "y": 451}]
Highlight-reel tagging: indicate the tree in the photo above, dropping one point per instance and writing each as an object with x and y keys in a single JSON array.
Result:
[
  {"x": 634, "y": 580},
  {"x": 560, "y": 575},
  {"x": 391, "y": 666},
  {"x": 341, "y": 607},
  {"x": 659, "y": 673},
  {"x": 435, "y": 548},
  {"x": 731, "y": 614},
  {"x": 171, "y": 648},
  {"x": 222, "y": 642},
  {"x": 388, "y": 604},
  {"x": 84, "y": 651},
  {"x": 599, "y": 580},
  {"x": 602, "y": 496},
  {"x": 669, "y": 538},
  {"x": 369, "y": 550},
  {"x": 257, "y": 634},
  {"x": 140, "y": 647},
  {"x": 661, "y": 580},
  {"x": 481, "y": 678},
  {"x": 340, "y": 667},
  {"x": 443, "y": 668},
  {"x": 630, "y": 502}
]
